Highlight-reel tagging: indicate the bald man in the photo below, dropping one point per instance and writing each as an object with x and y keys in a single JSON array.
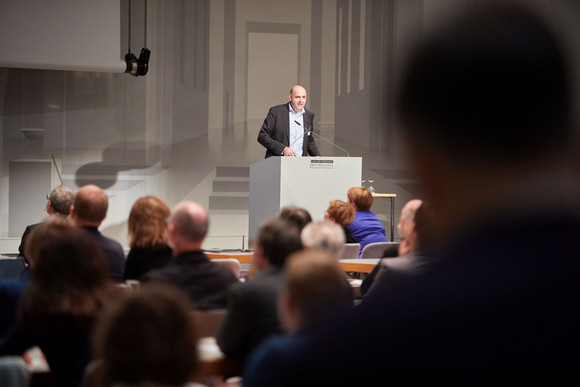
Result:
[
  {"x": 406, "y": 227},
  {"x": 285, "y": 131},
  {"x": 88, "y": 211},
  {"x": 205, "y": 282}
]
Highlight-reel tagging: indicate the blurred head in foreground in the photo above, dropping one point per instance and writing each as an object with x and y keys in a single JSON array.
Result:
[{"x": 147, "y": 338}]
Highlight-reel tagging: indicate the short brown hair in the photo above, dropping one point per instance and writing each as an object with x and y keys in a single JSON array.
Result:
[
  {"x": 297, "y": 215},
  {"x": 361, "y": 197},
  {"x": 317, "y": 286},
  {"x": 69, "y": 273},
  {"x": 147, "y": 337},
  {"x": 91, "y": 203},
  {"x": 340, "y": 212},
  {"x": 278, "y": 238},
  {"x": 147, "y": 223}
]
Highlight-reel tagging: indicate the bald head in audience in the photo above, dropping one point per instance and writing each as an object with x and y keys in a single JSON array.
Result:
[
  {"x": 90, "y": 206},
  {"x": 187, "y": 227}
]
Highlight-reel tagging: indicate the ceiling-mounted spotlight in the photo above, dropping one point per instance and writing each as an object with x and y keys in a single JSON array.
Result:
[{"x": 137, "y": 67}]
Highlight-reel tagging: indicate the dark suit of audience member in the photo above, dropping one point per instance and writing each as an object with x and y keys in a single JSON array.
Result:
[
  {"x": 112, "y": 251},
  {"x": 486, "y": 107},
  {"x": 58, "y": 203},
  {"x": 205, "y": 282},
  {"x": 89, "y": 211},
  {"x": 252, "y": 307}
]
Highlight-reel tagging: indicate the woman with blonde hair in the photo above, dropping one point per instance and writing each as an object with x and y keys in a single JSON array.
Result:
[{"x": 147, "y": 237}]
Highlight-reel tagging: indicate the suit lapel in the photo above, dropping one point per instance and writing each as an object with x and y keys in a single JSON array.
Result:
[{"x": 286, "y": 124}]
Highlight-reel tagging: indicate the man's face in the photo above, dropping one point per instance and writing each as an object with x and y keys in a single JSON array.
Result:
[{"x": 298, "y": 98}]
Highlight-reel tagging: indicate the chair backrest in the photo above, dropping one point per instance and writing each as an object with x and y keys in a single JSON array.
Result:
[
  {"x": 376, "y": 249},
  {"x": 13, "y": 372},
  {"x": 207, "y": 322},
  {"x": 350, "y": 250},
  {"x": 232, "y": 263}
]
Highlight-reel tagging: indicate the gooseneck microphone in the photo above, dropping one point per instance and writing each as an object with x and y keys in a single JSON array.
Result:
[{"x": 310, "y": 132}]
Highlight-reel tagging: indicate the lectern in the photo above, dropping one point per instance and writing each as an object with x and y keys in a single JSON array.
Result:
[{"x": 308, "y": 182}]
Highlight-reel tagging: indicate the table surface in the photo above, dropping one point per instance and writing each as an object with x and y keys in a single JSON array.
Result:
[{"x": 358, "y": 265}]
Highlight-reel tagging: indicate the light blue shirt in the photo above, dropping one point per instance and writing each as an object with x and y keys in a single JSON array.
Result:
[{"x": 296, "y": 131}]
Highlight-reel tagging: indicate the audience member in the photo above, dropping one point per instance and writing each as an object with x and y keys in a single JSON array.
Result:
[
  {"x": 365, "y": 227},
  {"x": 297, "y": 215},
  {"x": 69, "y": 286},
  {"x": 58, "y": 203},
  {"x": 324, "y": 235},
  {"x": 313, "y": 296},
  {"x": 147, "y": 237},
  {"x": 252, "y": 307},
  {"x": 146, "y": 339},
  {"x": 205, "y": 282},
  {"x": 341, "y": 213},
  {"x": 486, "y": 109},
  {"x": 406, "y": 227},
  {"x": 422, "y": 258},
  {"x": 88, "y": 211}
]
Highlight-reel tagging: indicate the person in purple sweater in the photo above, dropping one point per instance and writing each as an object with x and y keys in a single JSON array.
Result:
[{"x": 365, "y": 227}]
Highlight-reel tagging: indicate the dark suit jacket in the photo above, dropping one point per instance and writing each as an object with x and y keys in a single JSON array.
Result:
[
  {"x": 206, "y": 283},
  {"x": 501, "y": 305},
  {"x": 112, "y": 251},
  {"x": 141, "y": 260},
  {"x": 412, "y": 264},
  {"x": 275, "y": 132},
  {"x": 24, "y": 238},
  {"x": 252, "y": 314}
]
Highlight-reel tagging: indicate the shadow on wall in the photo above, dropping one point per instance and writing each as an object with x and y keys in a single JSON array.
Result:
[{"x": 121, "y": 156}]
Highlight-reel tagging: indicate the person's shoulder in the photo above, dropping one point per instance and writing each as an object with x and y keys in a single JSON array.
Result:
[{"x": 280, "y": 108}]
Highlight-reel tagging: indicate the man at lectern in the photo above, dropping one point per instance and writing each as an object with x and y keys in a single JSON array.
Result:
[{"x": 287, "y": 130}]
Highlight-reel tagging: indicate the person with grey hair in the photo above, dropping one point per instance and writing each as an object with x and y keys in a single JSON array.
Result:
[
  {"x": 324, "y": 235},
  {"x": 205, "y": 282},
  {"x": 58, "y": 203}
]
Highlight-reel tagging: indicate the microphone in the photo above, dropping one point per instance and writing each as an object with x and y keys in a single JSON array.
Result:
[
  {"x": 302, "y": 135},
  {"x": 310, "y": 132}
]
